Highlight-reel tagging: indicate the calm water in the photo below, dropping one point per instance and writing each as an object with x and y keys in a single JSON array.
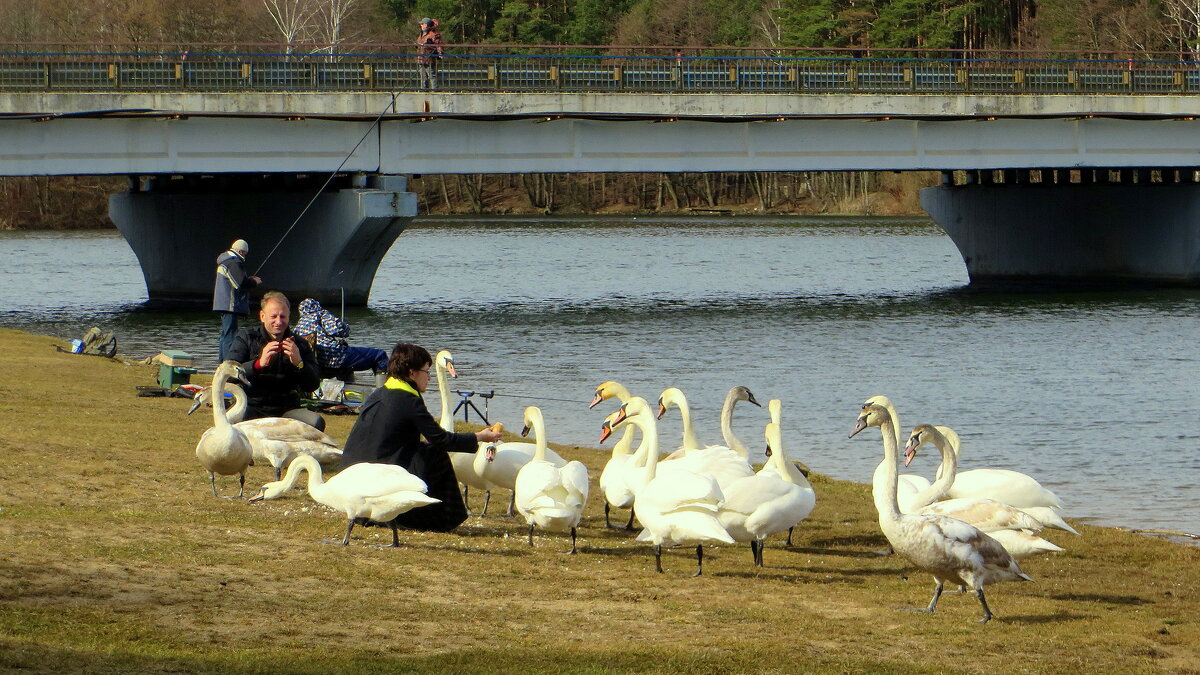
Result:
[{"x": 1094, "y": 394}]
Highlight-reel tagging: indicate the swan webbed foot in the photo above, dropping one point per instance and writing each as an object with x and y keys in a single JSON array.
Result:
[{"x": 937, "y": 593}]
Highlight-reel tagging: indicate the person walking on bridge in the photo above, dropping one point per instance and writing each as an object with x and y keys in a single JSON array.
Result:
[
  {"x": 429, "y": 50},
  {"x": 231, "y": 293}
]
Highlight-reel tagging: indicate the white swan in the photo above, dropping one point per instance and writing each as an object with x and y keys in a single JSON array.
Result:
[
  {"x": 678, "y": 507},
  {"x": 499, "y": 463},
  {"x": 463, "y": 462},
  {"x": 1014, "y": 529},
  {"x": 1011, "y": 487},
  {"x": 379, "y": 492},
  {"x": 612, "y": 482},
  {"x": 908, "y": 485},
  {"x": 951, "y": 550},
  {"x": 760, "y": 505},
  {"x": 725, "y": 463},
  {"x": 673, "y": 396},
  {"x": 223, "y": 449},
  {"x": 796, "y": 472},
  {"x": 550, "y": 497},
  {"x": 274, "y": 440}
]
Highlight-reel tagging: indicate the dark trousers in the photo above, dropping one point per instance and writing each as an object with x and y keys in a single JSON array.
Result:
[
  {"x": 229, "y": 326},
  {"x": 433, "y": 466}
]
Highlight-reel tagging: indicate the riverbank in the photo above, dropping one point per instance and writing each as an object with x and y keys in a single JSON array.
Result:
[{"x": 118, "y": 559}]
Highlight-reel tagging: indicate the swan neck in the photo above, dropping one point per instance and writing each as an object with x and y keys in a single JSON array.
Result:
[
  {"x": 945, "y": 473},
  {"x": 624, "y": 443},
  {"x": 884, "y": 482},
  {"x": 447, "y": 419},
  {"x": 731, "y": 440},
  {"x": 304, "y": 463},
  {"x": 539, "y": 438},
  {"x": 649, "y": 447},
  {"x": 218, "y": 398},
  {"x": 690, "y": 442}
]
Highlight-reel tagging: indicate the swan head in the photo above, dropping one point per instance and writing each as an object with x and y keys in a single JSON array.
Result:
[
  {"x": 231, "y": 370},
  {"x": 921, "y": 434},
  {"x": 636, "y": 405},
  {"x": 607, "y": 390},
  {"x": 872, "y": 415},
  {"x": 202, "y": 397},
  {"x": 489, "y": 453},
  {"x": 740, "y": 393},
  {"x": 446, "y": 362},
  {"x": 271, "y": 490},
  {"x": 605, "y": 430},
  {"x": 670, "y": 396},
  {"x": 533, "y": 416}
]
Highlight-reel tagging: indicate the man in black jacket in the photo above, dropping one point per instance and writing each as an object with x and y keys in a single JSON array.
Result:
[
  {"x": 279, "y": 365},
  {"x": 388, "y": 431}
]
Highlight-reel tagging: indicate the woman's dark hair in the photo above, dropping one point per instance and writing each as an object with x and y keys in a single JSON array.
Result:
[{"x": 407, "y": 357}]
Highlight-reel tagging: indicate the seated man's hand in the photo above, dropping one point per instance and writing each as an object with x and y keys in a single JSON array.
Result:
[
  {"x": 269, "y": 351},
  {"x": 291, "y": 351}
]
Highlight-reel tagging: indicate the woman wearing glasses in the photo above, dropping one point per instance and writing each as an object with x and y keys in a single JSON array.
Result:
[{"x": 389, "y": 429}]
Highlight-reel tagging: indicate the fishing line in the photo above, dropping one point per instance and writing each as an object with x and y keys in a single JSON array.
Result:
[
  {"x": 536, "y": 398},
  {"x": 392, "y": 105}
]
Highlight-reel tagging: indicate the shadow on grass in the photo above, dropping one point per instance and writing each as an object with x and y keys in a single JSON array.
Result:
[
  {"x": 1108, "y": 599},
  {"x": 1042, "y": 618}
]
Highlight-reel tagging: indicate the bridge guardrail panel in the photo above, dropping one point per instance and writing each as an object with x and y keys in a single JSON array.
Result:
[
  {"x": 281, "y": 75},
  {"x": 157, "y": 75},
  {"x": 830, "y": 80},
  {"x": 582, "y": 78},
  {"x": 928, "y": 79},
  {"x": 340, "y": 75},
  {"x": 22, "y": 75},
  {"x": 473, "y": 77},
  {"x": 523, "y": 78},
  {"x": 399, "y": 75},
  {"x": 212, "y": 75},
  {"x": 80, "y": 74}
]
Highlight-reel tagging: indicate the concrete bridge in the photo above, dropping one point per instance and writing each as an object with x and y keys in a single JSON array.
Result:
[{"x": 1073, "y": 183}]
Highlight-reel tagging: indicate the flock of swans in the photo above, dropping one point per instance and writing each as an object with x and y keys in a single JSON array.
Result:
[{"x": 966, "y": 528}]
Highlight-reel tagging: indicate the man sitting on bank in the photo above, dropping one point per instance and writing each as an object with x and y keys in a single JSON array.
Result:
[{"x": 279, "y": 365}]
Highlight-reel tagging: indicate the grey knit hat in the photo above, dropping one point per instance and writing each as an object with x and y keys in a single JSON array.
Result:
[{"x": 426, "y": 21}]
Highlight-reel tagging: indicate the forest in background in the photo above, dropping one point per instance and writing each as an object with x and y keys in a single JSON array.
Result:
[{"x": 1141, "y": 29}]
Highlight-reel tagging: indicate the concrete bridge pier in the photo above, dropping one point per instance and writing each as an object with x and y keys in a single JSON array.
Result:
[
  {"x": 1069, "y": 229},
  {"x": 177, "y": 226}
]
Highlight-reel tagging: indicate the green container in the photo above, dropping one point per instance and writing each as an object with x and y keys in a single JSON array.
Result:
[{"x": 170, "y": 377}]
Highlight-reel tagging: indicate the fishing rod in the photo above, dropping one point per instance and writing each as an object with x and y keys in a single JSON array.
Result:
[{"x": 392, "y": 105}]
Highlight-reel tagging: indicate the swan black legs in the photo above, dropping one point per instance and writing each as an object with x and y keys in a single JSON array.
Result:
[
  {"x": 212, "y": 478},
  {"x": 658, "y": 559},
  {"x": 699, "y": 560},
  {"x": 629, "y": 525},
  {"x": 349, "y": 526},
  {"x": 531, "y": 535},
  {"x": 756, "y": 547},
  {"x": 987, "y": 613},
  {"x": 487, "y": 497},
  {"x": 607, "y": 524},
  {"x": 395, "y": 534},
  {"x": 789, "y": 539},
  {"x": 572, "y": 541},
  {"x": 242, "y": 484}
]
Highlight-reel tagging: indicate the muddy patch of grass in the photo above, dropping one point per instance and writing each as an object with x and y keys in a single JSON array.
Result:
[{"x": 117, "y": 558}]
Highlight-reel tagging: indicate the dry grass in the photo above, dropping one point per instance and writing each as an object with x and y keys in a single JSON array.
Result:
[{"x": 116, "y": 558}]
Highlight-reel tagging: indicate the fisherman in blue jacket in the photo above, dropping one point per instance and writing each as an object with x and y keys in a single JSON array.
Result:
[{"x": 231, "y": 293}]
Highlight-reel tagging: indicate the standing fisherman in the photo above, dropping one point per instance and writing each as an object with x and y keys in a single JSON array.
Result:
[
  {"x": 231, "y": 293},
  {"x": 429, "y": 50}
]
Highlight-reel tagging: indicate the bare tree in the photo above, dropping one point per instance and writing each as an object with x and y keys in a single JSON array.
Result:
[
  {"x": 293, "y": 18},
  {"x": 331, "y": 22},
  {"x": 1184, "y": 16}
]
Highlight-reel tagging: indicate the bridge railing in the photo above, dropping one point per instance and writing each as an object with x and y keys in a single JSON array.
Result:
[{"x": 482, "y": 68}]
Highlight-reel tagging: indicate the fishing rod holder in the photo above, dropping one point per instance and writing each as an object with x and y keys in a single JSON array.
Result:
[{"x": 467, "y": 405}]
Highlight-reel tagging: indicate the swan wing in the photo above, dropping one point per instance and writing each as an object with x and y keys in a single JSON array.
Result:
[
  {"x": 285, "y": 429},
  {"x": 367, "y": 480},
  {"x": 386, "y": 507},
  {"x": 985, "y": 514},
  {"x": 1011, "y": 487}
]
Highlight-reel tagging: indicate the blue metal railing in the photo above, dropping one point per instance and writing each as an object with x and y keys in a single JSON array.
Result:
[{"x": 478, "y": 69}]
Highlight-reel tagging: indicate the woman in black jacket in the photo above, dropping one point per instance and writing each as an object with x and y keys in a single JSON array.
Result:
[{"x": 389, "y": 429}]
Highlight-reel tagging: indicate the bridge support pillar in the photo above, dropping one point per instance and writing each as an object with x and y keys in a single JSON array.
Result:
[
  {"x": 178, "y": 227},
  {"x": 1073, "y": 234}
]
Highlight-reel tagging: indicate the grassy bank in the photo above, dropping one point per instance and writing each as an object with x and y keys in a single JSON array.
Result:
[{"x": 117, "y": 558}]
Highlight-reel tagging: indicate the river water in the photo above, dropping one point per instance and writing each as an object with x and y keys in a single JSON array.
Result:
[{"x": 1094, "y": 394}]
